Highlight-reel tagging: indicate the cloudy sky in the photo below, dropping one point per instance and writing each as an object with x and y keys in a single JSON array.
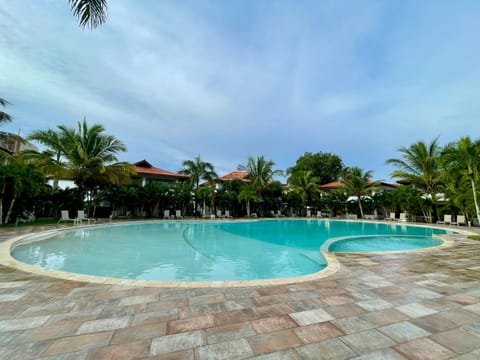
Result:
[{"x": 229, "y": 79}]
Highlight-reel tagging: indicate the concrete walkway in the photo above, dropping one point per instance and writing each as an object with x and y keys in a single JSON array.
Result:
[{"x": 421, "y": 305}]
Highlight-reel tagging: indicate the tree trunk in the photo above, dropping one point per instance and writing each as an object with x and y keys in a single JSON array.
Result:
[
  {"x": 360, "y": 207},
  {"x": 248, "y": 208},
  {"x": 10, "y": 208},
  {"x": 1, "y": 211},
  {"x": 475, "y": 200}
]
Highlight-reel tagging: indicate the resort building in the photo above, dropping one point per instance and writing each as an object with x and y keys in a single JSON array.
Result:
[{"x": 147, "y": 173}]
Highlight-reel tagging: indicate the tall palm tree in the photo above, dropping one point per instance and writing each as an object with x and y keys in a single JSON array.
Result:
[
  {"x": 90, "y": 13},
  {"x": 4, "y": 117},
  {"x": 56, "y": 149},
  {"x": 463, "y": 158},
  {"x": 358, "y": 183},
  {"x": 198, "y": 170},
  {"x": 420, "y": 165},
  {"x": 260, "y": 172},
  {"x": 304, "y": 184}
]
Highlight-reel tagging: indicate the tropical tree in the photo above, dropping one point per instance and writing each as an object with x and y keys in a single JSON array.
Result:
[
  {"x": 420, "y": 165},
  {"x": 325, "y": 167},
  {"x": 462, "y": 160},
  {"x": 4, "y": 117},
  {"x": 90, "y": 13},
  {"x": 89, "y": 156},
  {"x": 260, "y": 172},
  {"x": 198, "y": 170},
  {"x": 358, "y": 183},
  {"x": 248, "y": 194},
  {"x": 305, "y": 185}
]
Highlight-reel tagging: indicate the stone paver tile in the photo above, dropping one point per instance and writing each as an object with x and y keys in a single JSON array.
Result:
[
  {"x": 475, "y": 308},
  {"x": 384, "y": 317},
  {"x": 154, "y": 317},
  {"x": 76, "y": 316},
  {"x": 374, "y": 304},
  {"x": 179, "y": 355},
  {"x": 125, "y": 351},
  {"x": 7, "y": 336},
  {"x": 280, "y": 340},
  {"x": 274, "y": 290},
  {"x": 272, "y": 299},
  {"x": 463, "y": 299},
  {"x": 423, "y": 349},
  {"x": 415, "y": 310},
  {"x": 22, "y": 351},
  {"x": 317, "y": 332},
  {"x": 346, "y": 310},
  {"x": 23, "y": 323},
  {"x": 12, "y": 296},
  {"x": 138, "y": 299},
  {"x": 459, "y": 316},
  {"x": 474, "y": 355},
  {"x": 140, "y": 332},
  {"x": 177, "y": 342},
  {"x": 46, "y": 333},
  {"x": 12, "y": 284},
  {"x": 403, "y": 331},
  {"x": 334, "y": 300},
  {"x": 473, "y": 328},
  {"x": 354, "y": 324},
  {"x": 233, "y": 349},
  {"x": 234, "y": 316},
  {"x": 457, "y": 340},
  {"x": 311, "y": 316},
  {"x": 279, "y": 355},
  {"x": 238, "y": 304},
  {"x": 78, "y": 343},
  {"x": 207, "y": 299},
  {"x": 306, "y": 304},
  {"x": 273, "y": 310},
  {"x": 103, "y": 325},
  {"x": 328, "y": 349},
  {"x": 272, "y": 324},
  {"x": 194, "y": 323},
  {"x": 367, "y": 341},
  {"x": 385, "y": 354},
  {"x": 199, "y": 310},
  {"x": 166, "y": 305},
  {"x": 423, "y": 294},
  {"x": 434, "y": 323},
  {"x": 229, "y": 332}
]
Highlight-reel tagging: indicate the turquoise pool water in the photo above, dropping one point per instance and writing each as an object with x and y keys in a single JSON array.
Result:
[{"x": 194, "y": 251}]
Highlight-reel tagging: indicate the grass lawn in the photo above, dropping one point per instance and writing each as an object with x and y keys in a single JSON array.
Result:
[{"x": 474, "y": 237}]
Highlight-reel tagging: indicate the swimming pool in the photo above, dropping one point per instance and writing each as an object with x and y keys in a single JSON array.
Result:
[{"x": 208, "y": 251}]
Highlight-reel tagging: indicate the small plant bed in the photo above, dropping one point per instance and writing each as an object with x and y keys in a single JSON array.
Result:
[{"x": 474, "y": 237}]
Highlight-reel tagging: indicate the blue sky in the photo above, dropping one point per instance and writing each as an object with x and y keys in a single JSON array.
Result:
[{"x": 229, "y": 79}]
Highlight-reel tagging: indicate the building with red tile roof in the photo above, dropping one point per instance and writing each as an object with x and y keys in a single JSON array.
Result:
[
  {"x": 235, "y": 175},
  {"x": 337, "y": 184},
  {"x": 147, "y": 173}
]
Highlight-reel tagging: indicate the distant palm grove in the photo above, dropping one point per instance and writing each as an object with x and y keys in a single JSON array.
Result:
[{"x": 434, "y": 179}]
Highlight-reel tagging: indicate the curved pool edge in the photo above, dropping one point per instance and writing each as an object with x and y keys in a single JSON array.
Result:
[
  {"x": 333, "y": 265},
  {"x": 6, "y": 259}
]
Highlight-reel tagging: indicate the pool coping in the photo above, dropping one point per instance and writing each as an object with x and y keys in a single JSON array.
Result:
[{"x": 333, "y": 265}]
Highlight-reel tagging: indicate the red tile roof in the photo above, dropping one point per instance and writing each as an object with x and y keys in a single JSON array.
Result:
[
  {"x": 144, "y": 167},
  {"x": 336, "y": 184},
  {"x": 235, "y": 175}
]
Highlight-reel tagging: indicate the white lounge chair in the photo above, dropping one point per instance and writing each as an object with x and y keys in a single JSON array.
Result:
[
  {"x": 461, "y": 220},
  {"x": 391, "y": 218},
  {"x": 403, "y": 217},
  {"x": 178, "y": 214},
  {"x": 166, "y": 214},
  {"x": 227, "y": 214},
  {"x": 319, "y": 214},
  {"x": 219, "y": 214},
  {"x": 66, "y": 217},
  {"x": 447, "y": 219},
  {"x": 309, "y": 213},
  {"x": 81, "y": 218}
]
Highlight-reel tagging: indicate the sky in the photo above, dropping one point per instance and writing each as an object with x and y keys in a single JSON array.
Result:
[{"x": 230, "y": 79}]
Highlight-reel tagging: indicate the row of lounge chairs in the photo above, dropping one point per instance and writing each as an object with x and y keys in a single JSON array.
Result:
[
  {"x": 65, "y": 217},
  {"x": 403, "y": 217},
  {"x": 447, "y": 220}
]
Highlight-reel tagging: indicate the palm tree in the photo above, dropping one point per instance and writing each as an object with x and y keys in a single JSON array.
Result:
[
  {"x": 420, "y": 165},
  {"x": 4, "y": 117},
  {"x": 358, "y": 183},
  {"x": 247, "y": 194},
  {"x": 260, "y": 172},
  {"x": 56, "y": 149},
  {"x": 463, "y": 158},
  {"x": 198, "y": 170},
  {"x": 90, "y": 13},
  {"x": 304, "y": 184}
]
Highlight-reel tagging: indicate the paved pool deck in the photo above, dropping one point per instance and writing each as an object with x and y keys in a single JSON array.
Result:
[{"x": 418, "y": 305}]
